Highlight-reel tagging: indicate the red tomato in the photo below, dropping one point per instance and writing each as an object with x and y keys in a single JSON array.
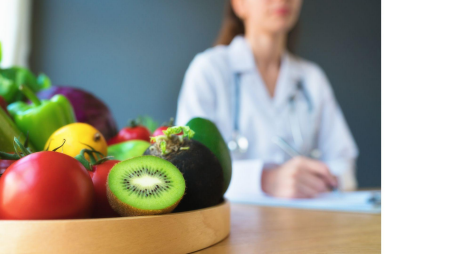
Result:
[
  {"x": 159, "y": 131},
  {"x": 113, "y": 140},
  {"x": 131, "y": 133},
  {"x": 99, "y": 176},
  {"x": 46, "y": 185}
]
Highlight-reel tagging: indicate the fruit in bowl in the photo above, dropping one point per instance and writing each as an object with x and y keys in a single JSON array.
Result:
[
  {"x": 144, "y": 185},
  {"x": 199, "y": 166},
  {"x": 46, "y": 185}
]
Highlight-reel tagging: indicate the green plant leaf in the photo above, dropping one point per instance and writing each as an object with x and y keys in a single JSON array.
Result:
[
  {"x": 147, "y": 122},
  {"x": 43, "y": 81}
]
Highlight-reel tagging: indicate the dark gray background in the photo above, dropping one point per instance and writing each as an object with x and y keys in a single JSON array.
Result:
[{"x": 133, "y": 55}]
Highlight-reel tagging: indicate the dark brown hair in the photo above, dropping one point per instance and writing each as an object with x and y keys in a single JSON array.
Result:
[{"x": 232, "y": 26}]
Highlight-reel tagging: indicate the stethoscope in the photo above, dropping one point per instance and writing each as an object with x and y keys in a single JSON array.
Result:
[{"x": 239, "y": 144}]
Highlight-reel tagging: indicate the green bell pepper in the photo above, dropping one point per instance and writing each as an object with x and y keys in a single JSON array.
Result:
[
  {"x": 128, "y": 149},
  {"x": 8, "y": 130},
  {"x": 41, "y": 118},
  {"x": 11, "y": 78}
]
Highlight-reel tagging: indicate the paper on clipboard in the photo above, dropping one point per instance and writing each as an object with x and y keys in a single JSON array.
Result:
[
  {"x": 245, "y": 172},
  {"x": 358, "y": 201}
]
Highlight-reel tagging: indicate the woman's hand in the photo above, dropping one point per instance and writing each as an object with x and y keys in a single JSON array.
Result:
[{"x": 299, "y": 177}]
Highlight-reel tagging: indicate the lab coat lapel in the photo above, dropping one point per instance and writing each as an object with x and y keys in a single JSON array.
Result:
[
  {"x": 286, "y": 83},
  {"x": 242, "y": 62}
]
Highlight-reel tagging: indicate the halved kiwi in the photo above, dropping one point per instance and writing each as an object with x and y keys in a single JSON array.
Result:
[{"x": 144, "y": 185}]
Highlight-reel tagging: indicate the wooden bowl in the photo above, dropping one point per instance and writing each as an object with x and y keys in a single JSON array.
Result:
[{"x": 170, "y": 233}]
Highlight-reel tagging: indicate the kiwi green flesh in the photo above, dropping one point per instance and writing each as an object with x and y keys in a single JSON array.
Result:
[
  {"x": 124, "y": 209},
  {"x": 144, "y": 185}
]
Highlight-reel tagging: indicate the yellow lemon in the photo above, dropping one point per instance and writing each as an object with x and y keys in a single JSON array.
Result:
[{"x": 76, "y": 137}]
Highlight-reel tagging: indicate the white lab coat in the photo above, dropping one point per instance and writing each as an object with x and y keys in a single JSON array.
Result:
[{"x": 207, "y": 92}]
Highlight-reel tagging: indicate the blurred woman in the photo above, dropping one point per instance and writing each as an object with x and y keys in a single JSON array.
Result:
[{"x": 287, "y": 134}]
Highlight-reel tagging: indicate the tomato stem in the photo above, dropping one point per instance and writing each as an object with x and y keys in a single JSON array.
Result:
[
  {"x": 56, "y": 149},
  {"x": 170, "y": 123},
  {"x": 133, "y": 123},
  {"x": 93, "y": 149},
  {"x": 8, "y": 156},
  {"x": 93, "y": 161},
  {"x": 20, "y": 149},
  {"x": 81, "y": 158}
]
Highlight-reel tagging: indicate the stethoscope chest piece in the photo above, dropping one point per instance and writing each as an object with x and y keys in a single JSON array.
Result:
[{"x": 238, "y": 144}]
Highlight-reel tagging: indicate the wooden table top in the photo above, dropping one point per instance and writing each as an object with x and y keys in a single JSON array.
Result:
[{"x": 259, "y": 229}]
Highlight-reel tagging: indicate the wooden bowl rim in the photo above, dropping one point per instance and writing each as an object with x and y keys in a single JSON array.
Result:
[{"x": 223, "y": 203}]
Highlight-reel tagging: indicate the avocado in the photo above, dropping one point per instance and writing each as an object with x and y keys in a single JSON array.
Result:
[
  {"x": 200, "y": 168},
  {"x": 208, "y": 134}
]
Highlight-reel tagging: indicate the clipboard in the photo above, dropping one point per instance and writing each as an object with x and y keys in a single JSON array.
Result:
[{"x": 356, "y": 201}]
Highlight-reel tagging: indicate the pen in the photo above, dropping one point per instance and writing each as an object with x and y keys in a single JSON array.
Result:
[{"x": 286, "y": 147}]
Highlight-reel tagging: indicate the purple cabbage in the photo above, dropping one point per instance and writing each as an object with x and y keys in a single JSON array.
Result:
[{"x": 88, "y": 108}]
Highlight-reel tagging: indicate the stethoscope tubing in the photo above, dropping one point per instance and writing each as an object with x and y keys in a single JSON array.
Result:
[
  {"x": 237, "y": 100},
  {"x": 294, "y": 126}
]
